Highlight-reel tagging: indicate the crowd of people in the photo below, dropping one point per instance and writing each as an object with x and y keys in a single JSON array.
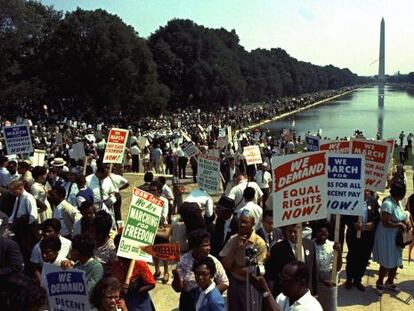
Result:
[{"x": 68, "y": 213}]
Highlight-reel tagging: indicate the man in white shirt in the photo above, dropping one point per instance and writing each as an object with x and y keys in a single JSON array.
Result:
[
  {"x": 255, "y": 210},
  {"x": 264, "y": 179},
  {"x": 295, "y": 294},
  {"x": 134, "y": 150},
  {"x": 120, "y": 183},
  {"x": 5, "y": 177},
  {"x": 50, "y": 228},
  {"x": 203, "y": 199},
  {"x": 236, "y": 193},
  {"x": 103, "y": 188}
]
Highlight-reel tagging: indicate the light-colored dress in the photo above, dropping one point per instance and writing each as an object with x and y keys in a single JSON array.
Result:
[
  {"x": 385, "y": 252},
  {"x": 327, "y": 296}
]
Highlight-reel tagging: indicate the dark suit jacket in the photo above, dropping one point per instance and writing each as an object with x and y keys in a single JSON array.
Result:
[
  {"x": 11, "y": 259},
  {"x": 281, "y": 254},
  {"x": 277, "y": 235},
  {"x": 219, "y": 238}
]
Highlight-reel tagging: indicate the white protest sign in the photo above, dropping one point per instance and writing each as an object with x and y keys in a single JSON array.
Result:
[
  {"x": 377, "y": 159},
  {"x": 142, "y": 142},
  {"x": 346, "y": 184},
  {"x": 38, "y": 157},
  {"x": 18, "y": 140},
  {"x": 312, "y": 142},
  {"x": 299, "y": 191},
  {"x": 189, "y": 149},
  {"x": 141, "y": 225},
  {"x": 252, "y": 154},
  {"x": 222, "y": 132},
  {"x": 66, "y": 288},
  {"x": 115, "y": 148},
  {"x": 335, "y": 146},
  {"x": 78, "y": 151},
  {"x": 208, "y": 174}
]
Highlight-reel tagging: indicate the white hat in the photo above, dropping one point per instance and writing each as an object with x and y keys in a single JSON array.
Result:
[{"x": 58, "y": 162}]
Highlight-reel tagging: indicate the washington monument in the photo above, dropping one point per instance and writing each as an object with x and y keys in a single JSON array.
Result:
[{"x": 381, "y": 81}]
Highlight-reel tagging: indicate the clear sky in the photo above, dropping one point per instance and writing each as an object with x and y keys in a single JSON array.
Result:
[{"x": 344, "y": 33}]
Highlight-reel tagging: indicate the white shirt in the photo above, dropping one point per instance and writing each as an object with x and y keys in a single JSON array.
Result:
[
  {"x": 263, "y": 179},
  {"x": 118, "y": 181},
  {"x": 306, "y": 303},
  {"x": 325, "y": 255},
  {"x": 5, "y": 177},
  {"x": 255, "y": 210},
  {"x": 58, "y": 214},
  {"x": 134, "y": 150},
  {"x": 164, "y": 212},
  {"x": 167, "y": 193},
  {"x": 236, "y": 193},
  {"x": 107, "y": 188},
  {"x": 203, "y": 199},
  {"x": 36, "y": 256},
  {"x": 27, "y": 206},
  {"x": 203, "y": 294},
  {"x": 72, "y": 190}
]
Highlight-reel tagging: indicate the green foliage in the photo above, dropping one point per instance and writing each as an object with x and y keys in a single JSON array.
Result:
[{"x": 91, "y": 61}]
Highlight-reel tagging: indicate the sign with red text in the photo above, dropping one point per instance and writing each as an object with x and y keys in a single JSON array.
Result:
[
  {"x": 208, "y": 174},
  {"x": 164, "y": 251},
  {"x": 336, "y": 146},
  {"x": 252, "y": 155},
  {"x": 377, "y": 159},
  {"x": 299, "y": 190},
  {"x": 346, "y": 184},
  {"x": 141, "y": 227},
  {"x": 115, "y": 147}
]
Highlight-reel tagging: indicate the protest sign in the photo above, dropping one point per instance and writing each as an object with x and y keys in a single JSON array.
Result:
[
  {"x": 115, "y": 147},
  {"x": 18, "y": 140},
  {"x": 336, "y": 146},
  {"x": 189, "y": 149},
  {"x": 252, "y": 154},
  {"x": 66, "y": 288},
  {"x": 185, "y": 136},
  {"x": 299, "y": 191},
  {"x": 142, "y": 142},
  {"x": 208, "y": 177},
  {"x": 214, "y": 153},
  {"x": 38, "y": 157},
  {"x": 78, "y": 151},
  {"x": 346, "y": 183},
  {"x": 141, "y": 225},
  {"x": 377, "y": 159},
  {"x": 164, "y": 251},
  {"x": 312, "y": 142}
]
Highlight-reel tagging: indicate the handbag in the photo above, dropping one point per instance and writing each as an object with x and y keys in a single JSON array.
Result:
[{"x": 403, "y": 238}]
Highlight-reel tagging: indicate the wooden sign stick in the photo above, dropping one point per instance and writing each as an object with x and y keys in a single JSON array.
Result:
[{"x": 336, "y": 253}]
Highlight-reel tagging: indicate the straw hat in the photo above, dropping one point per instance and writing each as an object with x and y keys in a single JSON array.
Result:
[{"x": 58, "y": 162}]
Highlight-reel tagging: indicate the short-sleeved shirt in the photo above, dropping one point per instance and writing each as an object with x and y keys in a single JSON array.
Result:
[
  {"x": 187, "y": 274},
  {"x": 236, "y": 193},
  {"x": 118, "y": 181},
  {"x": 306, "y": 303},
  {"x": 36, "y": 256},
  {"x": 231, "y": 249}
]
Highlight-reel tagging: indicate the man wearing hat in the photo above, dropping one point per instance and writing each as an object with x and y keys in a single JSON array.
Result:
[
  {"x": 227, "y": 224},
  {"x": 60, "y": 163}
]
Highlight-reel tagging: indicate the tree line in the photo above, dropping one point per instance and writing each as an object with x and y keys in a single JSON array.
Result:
[{"x": 91, "y": 62}]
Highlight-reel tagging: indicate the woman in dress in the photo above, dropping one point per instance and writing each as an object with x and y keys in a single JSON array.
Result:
[
  {"x": 327, "y": 290},
  {"x": 385, "y": 251}
]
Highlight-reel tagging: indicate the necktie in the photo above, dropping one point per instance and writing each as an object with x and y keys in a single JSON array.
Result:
[{"x": 17, "y": 208}]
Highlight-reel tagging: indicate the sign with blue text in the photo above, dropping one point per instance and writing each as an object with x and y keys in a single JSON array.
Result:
[
  {"x": 66, "y": 289},
  {"x": 18, "y": 140},
  {"x": 346, "y": 183},
  {"x": 312, "y": 143}
]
